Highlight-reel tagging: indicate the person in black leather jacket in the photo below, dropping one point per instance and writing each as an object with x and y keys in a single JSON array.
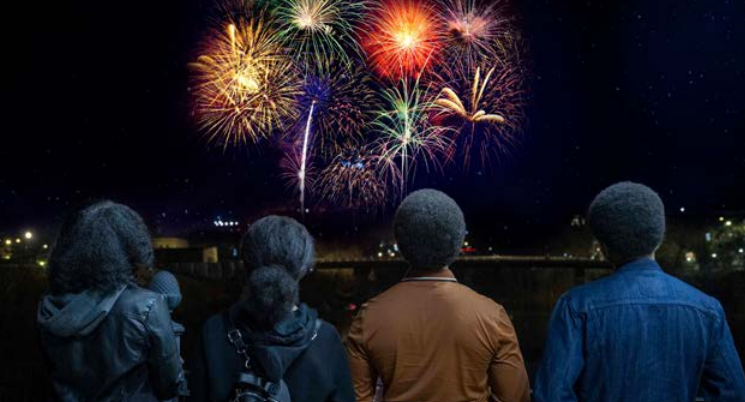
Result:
[{"x": 105, "y": 338}]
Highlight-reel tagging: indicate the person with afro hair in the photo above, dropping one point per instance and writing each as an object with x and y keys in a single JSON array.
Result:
[
  {"x": 430, "y": 338},
  {"x": 638, "y": 334}
]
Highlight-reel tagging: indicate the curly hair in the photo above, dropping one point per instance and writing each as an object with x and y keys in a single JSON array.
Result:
[
  {"x": 277, "y": 252},
  {"x": 97, "y": 248},
  {"x": 628, "y": 219},
  {"x": 429, "y": 228}
]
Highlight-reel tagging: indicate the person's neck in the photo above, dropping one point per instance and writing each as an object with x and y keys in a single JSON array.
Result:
[
  {"x": 426, "y": 272},
  {"x": 619, "y": 264}
]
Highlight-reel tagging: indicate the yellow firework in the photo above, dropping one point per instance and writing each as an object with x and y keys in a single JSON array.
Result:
[
  {"x": 244, "y": 83},
  {"x": 451, "y": 103},
  {"x": 487, "y": 111}
]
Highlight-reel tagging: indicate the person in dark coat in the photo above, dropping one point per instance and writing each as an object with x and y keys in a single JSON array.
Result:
[
  {"x": 286, "y": 340},
  {"x": 105, "y": 338}
]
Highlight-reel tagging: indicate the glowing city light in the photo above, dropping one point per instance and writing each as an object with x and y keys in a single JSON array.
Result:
[
  {"x": 8, "y": 242},
  {"x": 28, "y": 235}
]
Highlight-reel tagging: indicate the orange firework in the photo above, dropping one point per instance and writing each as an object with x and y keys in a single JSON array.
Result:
[{"x": 403, "y": 38}]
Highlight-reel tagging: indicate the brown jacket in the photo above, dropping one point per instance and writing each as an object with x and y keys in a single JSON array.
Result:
[{"x": 435, "y": 340}]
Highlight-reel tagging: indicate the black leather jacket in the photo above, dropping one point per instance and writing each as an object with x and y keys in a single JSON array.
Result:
[{"x": 118, "y": 346}]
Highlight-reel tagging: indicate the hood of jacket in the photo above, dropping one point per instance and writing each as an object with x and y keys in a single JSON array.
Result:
[
  {"x": 275, "y": 350},
  {"x": 75, "y": 314}
]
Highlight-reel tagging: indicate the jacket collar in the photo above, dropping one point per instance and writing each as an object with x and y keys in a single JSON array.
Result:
[
  {"x": 441, "y": 274},
  {"x": 642, "y": 264}
]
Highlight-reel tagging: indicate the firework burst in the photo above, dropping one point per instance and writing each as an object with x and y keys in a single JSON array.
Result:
[
  {"x": 245, "y": 85},
  {"x": 342, "y": 100},
  {"x": 403, "y": 40},
  {"x": 320, "y": 29},
  {"x": 475, "y": 31},
  {"x": 407, "y": 136},
  {"x": 487, "y": 107},
  {"x": 352, "y": 181}
]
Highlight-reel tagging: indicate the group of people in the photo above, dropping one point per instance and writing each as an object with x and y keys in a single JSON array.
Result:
[{"x": 636, "y": 335}]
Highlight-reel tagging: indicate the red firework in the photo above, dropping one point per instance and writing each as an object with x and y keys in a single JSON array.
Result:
[{"x": 403, "y": 38}]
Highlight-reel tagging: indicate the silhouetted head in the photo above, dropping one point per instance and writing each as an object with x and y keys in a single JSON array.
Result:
[
  {"x": 98, "y": 247},
  {"x": 277, "y": 252},
  {"x": 167, "y": 285},
  {"x": 429, "y": 228},
  {"x": 628, "y": 219}
]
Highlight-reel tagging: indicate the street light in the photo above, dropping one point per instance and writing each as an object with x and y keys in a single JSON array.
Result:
[
  {"x": 18, "y": 241},
  {"x": 8, "y": 242},
  {"x": 28, "y": 235}
]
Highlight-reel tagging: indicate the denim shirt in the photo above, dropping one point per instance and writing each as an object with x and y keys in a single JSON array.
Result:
[{"x": 639, "y": 335}]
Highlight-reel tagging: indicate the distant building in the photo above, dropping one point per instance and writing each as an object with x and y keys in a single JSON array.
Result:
[
  {"x": 173, "y": 250},
  {"x": 169, "y": 242}
]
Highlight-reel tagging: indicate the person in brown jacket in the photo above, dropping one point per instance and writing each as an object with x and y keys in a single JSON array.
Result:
[{"x": 430, "y": 338}]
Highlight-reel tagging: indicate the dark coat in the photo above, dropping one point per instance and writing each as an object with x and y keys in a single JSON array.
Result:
[
  {"x": 313, "y": 365},
  {"x": 117, "y": 346}
]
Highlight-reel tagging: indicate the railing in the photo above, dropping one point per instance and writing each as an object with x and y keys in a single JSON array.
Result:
[{"x": 232, "y": 269}]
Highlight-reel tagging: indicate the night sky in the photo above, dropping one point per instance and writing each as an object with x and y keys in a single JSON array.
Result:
[{"x": 96, "y": 104}]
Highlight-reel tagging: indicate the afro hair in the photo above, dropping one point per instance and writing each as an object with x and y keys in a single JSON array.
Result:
[
  {"x": 629, "y": 220},
  {"x": 98, "y": 247},
  {"x": 277, "y": 251},
  {"x": 429, "y": 228}
]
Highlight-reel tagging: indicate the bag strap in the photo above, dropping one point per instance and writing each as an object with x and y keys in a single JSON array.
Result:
[
  {"x": 241, "y": 348},
  {"x": 236, "y": 339}
]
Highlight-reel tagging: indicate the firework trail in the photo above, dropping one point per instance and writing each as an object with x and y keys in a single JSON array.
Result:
[
  {"x": 352, "y": 181},
  {"x": 487, "y": 107},
  {"x": 319, "y": 30},
  {"x": 304, "y": 158},
  {"x": 407, "y": 136},
  {"x": 403, "y": 38},
  {"x": 343, "y": 100},
  {"x": 475, "y": 30},
  {"x": 335, "y": 104},
  {"x": 245, "y": 86}
]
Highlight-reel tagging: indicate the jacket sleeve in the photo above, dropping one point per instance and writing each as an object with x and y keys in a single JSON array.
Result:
[
  {"x": 164, "y": 362},
  {"x": 563, "y": 357},
  {"x": 723, "y": 379},
  {"x": 343, "y": 389},
  {"x": 508, "y": 378},
  {"x": 364, "y": 377}
]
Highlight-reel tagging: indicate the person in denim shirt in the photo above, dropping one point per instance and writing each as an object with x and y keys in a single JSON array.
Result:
[{"x": 639, "y": 334}]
